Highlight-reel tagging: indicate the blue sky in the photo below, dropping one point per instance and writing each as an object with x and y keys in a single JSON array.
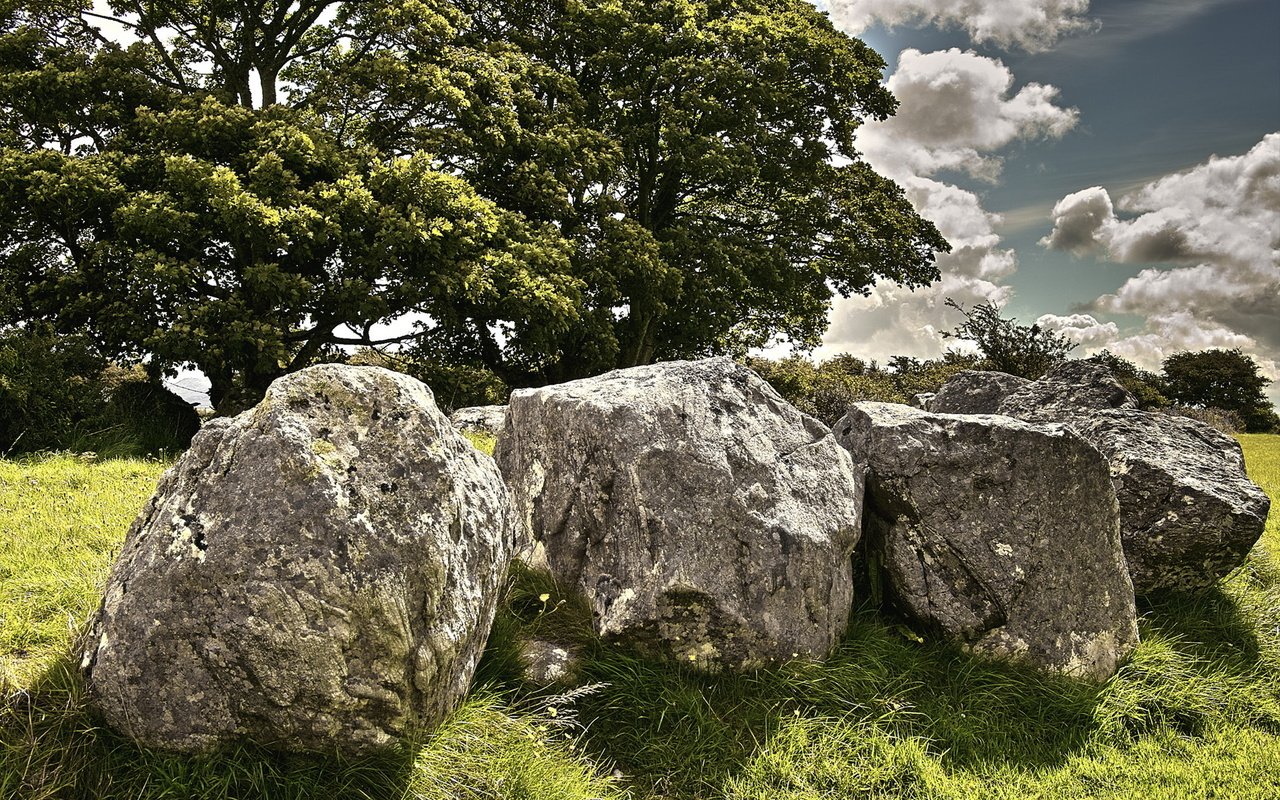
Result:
[{"x": 1013, "y": 107}]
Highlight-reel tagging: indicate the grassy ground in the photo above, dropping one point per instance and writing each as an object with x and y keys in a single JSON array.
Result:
[{"x": 1195, "y": 713}]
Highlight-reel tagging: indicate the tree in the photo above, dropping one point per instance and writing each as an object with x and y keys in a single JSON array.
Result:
[
  {"x": 729, "y": 199},
  {"x": 1006, "y": 346},
  {"x": 1223, "y": 379},
  {"x": 550, "y": 188},
  {"x": 183, "y": 213}
]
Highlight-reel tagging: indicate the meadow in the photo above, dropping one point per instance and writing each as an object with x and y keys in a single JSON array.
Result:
[{"x": 1195, "y": 712}]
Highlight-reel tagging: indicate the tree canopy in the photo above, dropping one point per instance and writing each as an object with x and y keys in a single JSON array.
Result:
[
  {"x": 1223, "y": 379},
  {"x": 550, "y": 188},
  {"x": 1006, "y": 346}
]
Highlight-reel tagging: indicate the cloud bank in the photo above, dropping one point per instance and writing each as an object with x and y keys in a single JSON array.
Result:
[
  {"x": 1215, "y": 232},
  {"x": 1028, "y": 24},
  {"x": 957, "y": 110}
]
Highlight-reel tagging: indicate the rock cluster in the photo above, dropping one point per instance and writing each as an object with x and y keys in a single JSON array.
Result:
[
  {"x": 487, "y": 420},
  {"x": 1188, "y": 512},
  {"x": 320, "y": 573}
]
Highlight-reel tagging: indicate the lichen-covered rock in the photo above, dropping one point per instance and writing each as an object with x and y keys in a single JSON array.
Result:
[
  {"x": 997, "y": 533},
  {"x": 1069, "y": 388},
  {"x": 975, "y": 392},
  {"x": 1188, "y": 512},
  {"x": 704, "y": 518},
  {"x": 549, "y": 663},
  {"x": 319, "y": 573},
  {"x": 480, "y": 419},
  {"x": 922, "y": 400}
]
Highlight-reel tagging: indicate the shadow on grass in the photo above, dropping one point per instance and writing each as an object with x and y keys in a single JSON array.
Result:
[
  {"x": 680, "y": 734},
  {"x": 54, "y": 745}
]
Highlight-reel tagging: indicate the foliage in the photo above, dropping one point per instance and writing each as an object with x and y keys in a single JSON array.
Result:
[
  {"x": 454, "y": 385},
  {"x": 827, "y": 389},
  {"x": 1228, "y": 422},
  {"x": 57, "y": 393},
  {"x": 1223, "y": 379},
  {"x": 1148, "y": 387},
  {"x": 551, "y": 189},
  {"x": 50, "y": 390},
  {"x": 1196, "y": 712},
  {"x": 1006, "y": 346}
]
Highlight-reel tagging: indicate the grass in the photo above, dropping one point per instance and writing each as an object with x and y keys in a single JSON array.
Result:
[{"x": 1195, "y": 713}]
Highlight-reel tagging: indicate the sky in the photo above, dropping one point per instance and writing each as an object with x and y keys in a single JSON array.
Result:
[{"x": 1107, "y": 168}]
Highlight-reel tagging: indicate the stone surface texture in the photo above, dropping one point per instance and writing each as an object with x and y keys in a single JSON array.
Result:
[
  {"x": 975, "y": 392},
  {"x": 480, "y": 419},
  {"x": 704, "y": 518},
  {"x": 1069, "y": 388},
  {"x": 1188, "y": 512},
  {"x": 997, "y": 533},
  {"x": 317, "y": 574}
]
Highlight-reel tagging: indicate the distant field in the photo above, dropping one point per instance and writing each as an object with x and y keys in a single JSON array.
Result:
[{"x": 1196, "y": 712}]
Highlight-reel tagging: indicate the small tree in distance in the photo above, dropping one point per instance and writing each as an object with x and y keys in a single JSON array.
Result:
[
  {"x": 1006, "y": 346},
  {"x": 1224, "y": 379}
]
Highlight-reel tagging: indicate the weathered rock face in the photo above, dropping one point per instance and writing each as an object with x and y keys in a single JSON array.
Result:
[
  {"x": 318, "y": 573},
  {"x": 480, "y": 419},
  {"x": 1188, "y": 512},
  {"x": 1069, "y": 388},
  {"x": 704, "y": 517},
  {"x": 975, "y": 392},
  {"x": 998, "y": 533},
  {"x": 922, "y": 400}
]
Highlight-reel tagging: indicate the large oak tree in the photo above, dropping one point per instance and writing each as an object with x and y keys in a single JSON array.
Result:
[{"x": 551, "y": 188}]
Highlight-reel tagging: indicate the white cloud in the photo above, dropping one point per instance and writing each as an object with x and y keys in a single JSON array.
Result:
[
  {"x": 956, "y": 113},
  {"x": 1029, "y": 24},
  {"x": 1215, "y": 231},
  {"x": 1216, "y": 226},
  {"x": 954, "y": 110},
  {"x": 1083, "y": 329}
]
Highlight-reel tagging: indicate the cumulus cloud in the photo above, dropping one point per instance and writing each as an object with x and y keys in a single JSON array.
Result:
[
  {"x": 955, "y": 109},
  {"x": 1213, "y": 235},
  {"x": 956, "y": 112},
  {"x": 1078, "y": 221},
  {"x": 1083, "y": 329},
  {"x": 1029, "y": 24}
]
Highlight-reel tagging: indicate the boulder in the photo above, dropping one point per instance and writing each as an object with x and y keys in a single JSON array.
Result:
[
  {"x": 317, "y": 574},
  {"x": 1069, "y": 388},
  {"x": 997, "y": 533},
  {"x": 975, "y": 392},
  {"x": 704, "y": 518},
  {"x": 922, "y": 400},
  {"x": 487, "y": 420},
  {"x": 1188, "y": 512}
]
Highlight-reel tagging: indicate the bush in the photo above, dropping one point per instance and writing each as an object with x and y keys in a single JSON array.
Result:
[
  {"x": 51, "y": 391},
  {"x": 454, "y": 386},
  {"x": 57, "y": 393}
]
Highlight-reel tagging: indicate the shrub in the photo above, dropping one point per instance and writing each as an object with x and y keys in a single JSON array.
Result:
[
  {"x": 454, "y": 386},
  {"x": 51, "y": 391}
]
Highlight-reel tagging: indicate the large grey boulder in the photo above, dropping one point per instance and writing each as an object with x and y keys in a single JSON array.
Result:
[
  {"x": 1067, "y": 389},
  {"x": 1188, "y": 512},
  {"x": 975, "y": 392},
  {"x": 997, "y": 533},
  {"x": 487, "y": 420},
  {"x": 319, "y": 573},
  {"x": 704, "y": 518}
]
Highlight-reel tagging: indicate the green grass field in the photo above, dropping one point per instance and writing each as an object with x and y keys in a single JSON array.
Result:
[{"x": 1195, "y": 713}]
